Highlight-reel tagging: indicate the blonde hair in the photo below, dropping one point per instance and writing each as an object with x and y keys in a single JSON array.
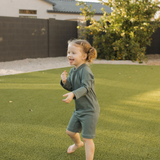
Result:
[{"x": 86, "y": 48}]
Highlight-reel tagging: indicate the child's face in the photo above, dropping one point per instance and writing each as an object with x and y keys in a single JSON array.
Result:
[{"x": 75, "y": 55}]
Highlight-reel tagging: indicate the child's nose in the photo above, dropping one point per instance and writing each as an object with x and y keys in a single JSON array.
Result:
[{"x": 69, "y": 55}]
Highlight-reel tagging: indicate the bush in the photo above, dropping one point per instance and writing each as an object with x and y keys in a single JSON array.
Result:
[{"x": 126, "y": 32}]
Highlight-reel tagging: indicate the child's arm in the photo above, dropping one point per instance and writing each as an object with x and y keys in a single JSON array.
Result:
[
  {"x": 65, "y": 81},
  {"x": 87, "y": 82}
]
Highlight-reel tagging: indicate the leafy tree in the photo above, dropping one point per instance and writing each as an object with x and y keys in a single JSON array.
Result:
[{"x": 126, "y": 32}]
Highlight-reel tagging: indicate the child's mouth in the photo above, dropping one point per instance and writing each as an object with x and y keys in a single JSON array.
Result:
[{"x": 71, "y": 60}]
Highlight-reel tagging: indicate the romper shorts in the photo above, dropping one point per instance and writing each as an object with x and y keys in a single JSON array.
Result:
[{"x": 85, "y": 123}]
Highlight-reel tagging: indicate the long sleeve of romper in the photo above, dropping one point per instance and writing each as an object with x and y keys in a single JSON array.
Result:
[
  {"x": 86, "y": 84},
  {"x": 67, "y": 85}
]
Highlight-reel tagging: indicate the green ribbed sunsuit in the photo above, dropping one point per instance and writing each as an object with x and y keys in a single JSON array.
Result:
[{"x": 81, "y": 82}]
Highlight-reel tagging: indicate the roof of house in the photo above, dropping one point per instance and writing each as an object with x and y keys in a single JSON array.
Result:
[{"x": 69, "y": 6}]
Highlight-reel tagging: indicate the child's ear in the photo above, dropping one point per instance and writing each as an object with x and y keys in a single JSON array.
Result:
[{"x": 85, "y": 56}]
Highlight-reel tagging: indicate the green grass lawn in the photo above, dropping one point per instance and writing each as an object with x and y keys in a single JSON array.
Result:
[{"x": 128, "y": 127}]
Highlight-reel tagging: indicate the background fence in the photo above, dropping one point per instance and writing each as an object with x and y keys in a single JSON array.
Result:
[
  {"x": 22, "y": 38},
  {"x": 155, "y": 45}
]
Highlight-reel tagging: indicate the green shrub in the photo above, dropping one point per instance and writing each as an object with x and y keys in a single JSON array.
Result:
[{"x": 131, "y": 25}]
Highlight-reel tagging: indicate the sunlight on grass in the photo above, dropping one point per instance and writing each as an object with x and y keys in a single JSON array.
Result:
[
  {"x": 148, "y": 100},
  {"x": 151, "y": 96},
  {"x": 30, "y": 86},
  {"x": 33, "y": 118},
  {"x": 138, "y": 115}
]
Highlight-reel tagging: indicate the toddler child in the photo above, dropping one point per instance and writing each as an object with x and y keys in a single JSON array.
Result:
[{"x": 80, "y": 83}]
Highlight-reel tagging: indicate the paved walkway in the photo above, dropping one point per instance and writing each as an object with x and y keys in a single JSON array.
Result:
[{"x": 38, "y": 64}]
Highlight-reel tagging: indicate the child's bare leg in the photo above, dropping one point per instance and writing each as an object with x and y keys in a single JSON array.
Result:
[
  {"x": 77, "y": 141},
  {"x": 89, "y": 148}
]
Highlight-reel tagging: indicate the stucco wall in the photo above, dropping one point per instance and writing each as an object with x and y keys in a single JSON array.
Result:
[
  {"x": 10, "y": 8},
  {"x": 61, "y": 16}
]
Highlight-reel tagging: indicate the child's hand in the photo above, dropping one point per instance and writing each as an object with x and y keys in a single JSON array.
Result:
[
  {"x": 64, "y": 77},
  {"x": 69, "y": 97}
]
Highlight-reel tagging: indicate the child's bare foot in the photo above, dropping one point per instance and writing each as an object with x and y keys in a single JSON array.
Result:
[{"x": 73, "y": 147}]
